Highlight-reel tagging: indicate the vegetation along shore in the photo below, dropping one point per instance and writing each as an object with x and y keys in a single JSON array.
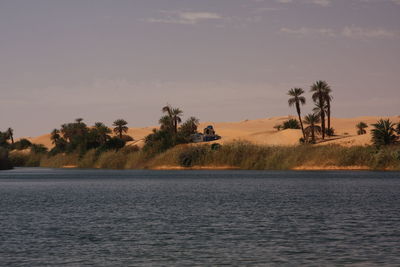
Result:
[{"x": 311, "y": 142}]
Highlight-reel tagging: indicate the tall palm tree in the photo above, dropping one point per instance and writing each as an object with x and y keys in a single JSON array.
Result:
[
  {"x": 384, "y": 133},
  {"x": 10, "y": 133},
  {"x": 361, "y": 126},
  {"x": 328, "y": 99},
  {"x": 319, "y": 90},
  {"x": 120, "y": 127},
  {"x": 55, "y": 136},
  {"x": 174, "y": 115},
  {"x": 312, "y": 120},
  {"x": 297, "y": 100}
]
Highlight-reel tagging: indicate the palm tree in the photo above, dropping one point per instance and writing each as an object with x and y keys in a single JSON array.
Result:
[
  {"x": 174, "y": 115},
  {"x": 189, "y": 127},
  {"x": 55, "y": 136},
  {"x": 384, "y": 133},
  {"x": 312, "y": 120},
  {"x": 120, "y": 127},
  {"x": 328, "y": 99},
  {"x": 361, "y": 126},
  {"x": 166, "y": 123},
  {"x": 10, "y": 133},
  {"x": 319, "y": 90},
  {"x": 297, "y": 99},
  {"x": 102, "y": 132}
]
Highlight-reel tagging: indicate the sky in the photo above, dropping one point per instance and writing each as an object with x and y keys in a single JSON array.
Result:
[{"x": 218, "y": 60}]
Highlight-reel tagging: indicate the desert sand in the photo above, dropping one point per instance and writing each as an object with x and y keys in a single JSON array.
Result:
[{"x": 261, "y": 131}]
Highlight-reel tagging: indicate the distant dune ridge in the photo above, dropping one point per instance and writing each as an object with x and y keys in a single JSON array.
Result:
[{"x": 261, "y": 131}]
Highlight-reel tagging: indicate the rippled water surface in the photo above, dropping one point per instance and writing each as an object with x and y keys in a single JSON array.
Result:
[{"x": 186, "y": 218}]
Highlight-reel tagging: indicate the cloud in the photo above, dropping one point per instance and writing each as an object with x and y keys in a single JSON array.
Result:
[
  {"x": 179, "y": 17},
  {"x": 347, "y": 32},
  {"x": 315, "y": 2},
  {"x": 309, "y": 31},
  {"x": 321, "y": 2},
  {"x": 362, "y": 33}
]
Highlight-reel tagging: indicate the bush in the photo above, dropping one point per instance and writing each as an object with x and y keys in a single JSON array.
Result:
[
  {"x": 114, "y": 143},
  {"x": 5, "y": 163},
  {"x": 192, "y": 156},
  {"x": 38, "y": 149},
  {"x": 22, "y": 144},
  {"x": 330, "y": 132},
  {"x": 291, "y": 124},
  {"x": 215, "y": 146}
]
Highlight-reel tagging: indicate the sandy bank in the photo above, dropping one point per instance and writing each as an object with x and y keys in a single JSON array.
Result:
[{"x": 262, "y": 132}]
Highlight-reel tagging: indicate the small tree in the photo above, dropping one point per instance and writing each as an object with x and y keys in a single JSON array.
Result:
[
  {"x": 361, "y": 126},
  {"x": 312, "y": 129}
]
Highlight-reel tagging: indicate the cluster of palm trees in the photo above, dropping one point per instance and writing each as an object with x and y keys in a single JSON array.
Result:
[
  {"x": 78, "y": 136},
  {"x": 172, "y": 131},
  {"x": 321, "y": 95}
]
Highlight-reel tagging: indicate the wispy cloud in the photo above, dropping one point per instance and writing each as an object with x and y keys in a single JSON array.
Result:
[
  {"x": 184, "y": 17},
  {"x": 309, "y": 31},
  {"x": 321, "y": 2},
  {"x": 348, "y": 32},
  {"x": 358, "y": 32},
  {"x": 316, "y": 2}
]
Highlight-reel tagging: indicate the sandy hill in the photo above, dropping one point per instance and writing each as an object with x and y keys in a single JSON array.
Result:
[{"x": 261, "y": 131}]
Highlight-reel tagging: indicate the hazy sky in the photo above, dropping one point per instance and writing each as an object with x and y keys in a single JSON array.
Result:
[{"x": 220, "y": 60}]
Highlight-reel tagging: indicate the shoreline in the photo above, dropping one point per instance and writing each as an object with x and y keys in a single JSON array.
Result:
[{"x": 219, "y": 168}]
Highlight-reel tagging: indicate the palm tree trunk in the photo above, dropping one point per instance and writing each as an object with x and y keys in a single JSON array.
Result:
[
  {"x": 323, "y": 124},
  {"x": 321, "y": 107},
  {"x": 328, "y": 113},
  {"x": 176, "y": 125},
  {"x": 120, "y": 133},
  {"x": 301, "y": 122},
  {"x": 312, "y": 133}
]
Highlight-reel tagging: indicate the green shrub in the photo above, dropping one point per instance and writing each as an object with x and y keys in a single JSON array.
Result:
[
  {"x": 192, "y": 155},
  {"x": 291, "y": 124}
]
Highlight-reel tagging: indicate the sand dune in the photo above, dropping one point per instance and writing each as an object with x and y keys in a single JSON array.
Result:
[{"x": 261, "y": 131}]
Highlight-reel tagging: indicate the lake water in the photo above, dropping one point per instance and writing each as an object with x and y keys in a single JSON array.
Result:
[{"x": 188, "y": 218}]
